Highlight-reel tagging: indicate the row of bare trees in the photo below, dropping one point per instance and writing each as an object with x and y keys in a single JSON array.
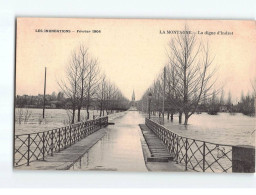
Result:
[
  {"x": 85, "y": 83},
  {"x": 187, "y": 82},
  {"x": 189, "y": 77},
  {"x": 110, "y": 97}
]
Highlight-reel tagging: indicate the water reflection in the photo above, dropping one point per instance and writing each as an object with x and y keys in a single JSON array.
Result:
[{"x": 119, "y": 150}]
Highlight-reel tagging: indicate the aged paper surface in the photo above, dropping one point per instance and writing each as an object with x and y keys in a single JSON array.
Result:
[{"x": 85, "y": 86}]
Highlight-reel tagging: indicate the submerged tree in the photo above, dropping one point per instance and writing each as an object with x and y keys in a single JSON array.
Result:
[
  {"x": 213, "y": 107},
  {"x": 173, "y": 99},
  {"x": 92, "y": 82},
  {"x": 101, "y": 94},
  {"x": 229, "y": 102},
  {"x": 222, "y": 98},
  {"x": 83, "y": 86},
  {"x": 192, "y": 61},
  {"x": 246, "y": 104}
]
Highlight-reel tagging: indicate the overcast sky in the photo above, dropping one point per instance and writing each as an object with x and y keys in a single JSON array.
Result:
[{"x": 131, "y": 52}]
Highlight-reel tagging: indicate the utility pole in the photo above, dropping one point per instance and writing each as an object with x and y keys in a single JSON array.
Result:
[
  {"x": 164, "y": 93},
  {"x": 44, "y": 90},
  {"x": 149, "y": 102}
]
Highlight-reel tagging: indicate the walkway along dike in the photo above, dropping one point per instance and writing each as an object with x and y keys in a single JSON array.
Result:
[
  {"x": 39, "y": 146},
  {"x": 202, "y": 156},
  {"x": 156, "y": 155},
  {"x": 157, "y": 151}
]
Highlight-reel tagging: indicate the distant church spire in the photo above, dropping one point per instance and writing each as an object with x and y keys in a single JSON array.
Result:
[{"x": 133, "y": 96}]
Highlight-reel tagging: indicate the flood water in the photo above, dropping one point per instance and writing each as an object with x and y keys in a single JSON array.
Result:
[
  {"x": 54, "y": 118},
  {"x": 224, "y": 128},
  {"x": 119, "y": 150}
]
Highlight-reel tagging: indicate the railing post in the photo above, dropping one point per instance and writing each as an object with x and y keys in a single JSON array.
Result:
[
  {"x": 77, "y": 132},
  {"x": 95, "y": 125},
  {"x": 65, "y": 145},
  {"x": 186, "y": 155},
  {"x": 43, "y": 144},
  {"x": 52, "y": 143},
  {"x": 88, "y": 129},
  {"x": 177, "y": 150},
  {"x": 14, "y": 148},
  {"x": 28, "y": 157},
  {"x": 59, "y": 140},
  {"x": 70, "y": 134},
  {"x": 74, "y": 135},
  {"x": 84, "y": 131},
  {"x": 80, "y": 131},
  {"x": 204, "y": 157},
  {"x": 243, "y": 159}
]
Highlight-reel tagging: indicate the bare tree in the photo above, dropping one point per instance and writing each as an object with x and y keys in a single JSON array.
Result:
[
  {"x": 101, "y": 94},
  {"x": 27, "y": 115},
  {"x": 84, "y": 85},
  {"x": 92, "y": 82},
  {"x": 214, "y": 107},
  {"x": 110, "y": 97},
  {"x": 174, "y": 98},
  {"x": 22, "y": 114},
  {"x": 229, "y": 100},
  {"x": 83, "y": 74},
  {"x": 110, "y": 90},
  {"x": 19, "y": 115},
  {"x": 192, "y": 61},
  {"x": 222, "y": 97},
  {"x": 69, "y": 86},
  {"x": 253, "y": 83}
]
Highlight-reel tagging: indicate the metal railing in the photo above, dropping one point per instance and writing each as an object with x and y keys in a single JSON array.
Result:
[
  {"x": 197, "y": 155},
  {"x": 35, "y": 146}
]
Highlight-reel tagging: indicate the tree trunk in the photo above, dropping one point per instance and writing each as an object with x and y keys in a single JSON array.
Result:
[
  {"x": 73, "y": 115},
  {"x": 100, "y": 109},
  {"x": 172, "y": 117},
  {"x": 87, "y": 110},
  {"x": 78, "y": 114},
  {"x": 168, "y": 115},
  {"x": 81, "y": 102},
  {"x": 180, "y": 117},
  {"x": 186, "y": 119}
]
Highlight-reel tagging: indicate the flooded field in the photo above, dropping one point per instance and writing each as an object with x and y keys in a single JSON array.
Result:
[
  {"x": 54, "y": 118},
  {"x": 223, "y": 128},
  {"x": 120, "y": 149}
]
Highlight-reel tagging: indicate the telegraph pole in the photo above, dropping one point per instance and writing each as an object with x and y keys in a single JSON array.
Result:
[
  {"x": 44, "y": 90},
  {"x": 164, "y": 93}
]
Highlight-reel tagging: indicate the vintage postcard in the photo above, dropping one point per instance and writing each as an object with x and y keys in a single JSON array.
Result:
[{"x": 135, "y": 95}]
